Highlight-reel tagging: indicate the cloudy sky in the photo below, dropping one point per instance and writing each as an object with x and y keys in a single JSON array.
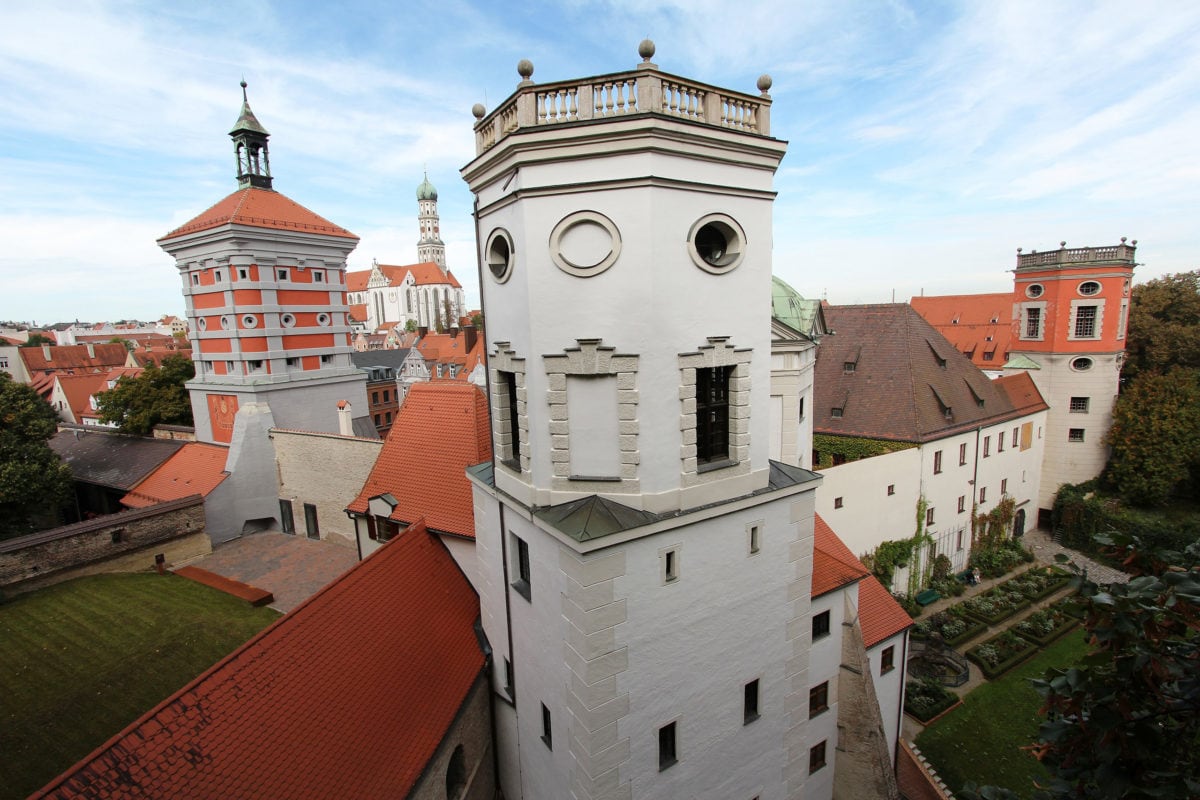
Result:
[{"x": 928, "y": 140}]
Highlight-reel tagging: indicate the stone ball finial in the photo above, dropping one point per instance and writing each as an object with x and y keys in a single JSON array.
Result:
[
  {"x": 764, "y": 83},
  {"x": 478, "y": 110},
  {"x": 646, "y": 49},
  {"x": 1019, "y": 249},
  {"x": 1062, "y": 244},
  {"x": 1122, "y": 240},
  {"x": 1134, "y": 243},
  {"x": 525, "y": 69}
]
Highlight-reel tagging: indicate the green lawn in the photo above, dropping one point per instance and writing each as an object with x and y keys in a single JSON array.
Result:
[
  {"x": 981, "y": 739},
  {"x": 81, "y": 660}
]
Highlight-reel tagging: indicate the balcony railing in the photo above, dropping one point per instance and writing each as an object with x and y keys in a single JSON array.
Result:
[
  {"x": 1078, "y": 255},
  {"x": 639, "y": 91}
]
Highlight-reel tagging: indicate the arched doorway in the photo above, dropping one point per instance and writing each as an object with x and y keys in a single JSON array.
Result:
[{"x": 1019, "y": 524}]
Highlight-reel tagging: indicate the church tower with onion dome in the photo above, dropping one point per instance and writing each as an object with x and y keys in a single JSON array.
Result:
[{"x": 430, "y": 247}]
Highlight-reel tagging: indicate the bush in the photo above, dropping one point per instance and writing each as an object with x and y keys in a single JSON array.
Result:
[
  {"x": 927, "y": 698},
  {"x": 909, "y": 604}
]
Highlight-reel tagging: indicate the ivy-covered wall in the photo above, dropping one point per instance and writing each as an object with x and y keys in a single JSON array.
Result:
[{"x": 851, "y": 448}]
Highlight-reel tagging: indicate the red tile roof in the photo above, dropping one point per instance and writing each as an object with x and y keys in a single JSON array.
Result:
[
  {"x": 894, "y": 377},
  {"x": 74, "y": 358},
  {"x": 880, "y": 616},
  {"x": 451, "y": 349},
  {"x": 834, "y": 566},
  {"x": 976, "y": 324},
  {"x": 424, "y": 274},
  {"x": 349, "y": 695},
  {"x": 196, "y": 469},
  {"x": 357, "y": 281},
  {"x": 79, "y": 390},
  {"x": 260, "y": 208},
  {"x": 441, "y": 429},
  {"x": 358, "y": 311},
  {"x": 1022, "y": 392}
]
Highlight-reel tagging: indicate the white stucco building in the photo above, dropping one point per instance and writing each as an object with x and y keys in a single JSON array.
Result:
[{"x": 645, "y": 570}]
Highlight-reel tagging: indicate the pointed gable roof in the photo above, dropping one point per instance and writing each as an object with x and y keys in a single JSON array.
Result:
[
  {"x": 440, "y": 430},
  {"x": 1022, "y": 392},
  {"x": 349, "y": 695},
  {"x": 260, "y": 208},
  {"x": 834, "y": 566},
  {"x": 197, "y": 468},
  {"x": 895, "y": 377},
  {"x": 976, "y": 324}
]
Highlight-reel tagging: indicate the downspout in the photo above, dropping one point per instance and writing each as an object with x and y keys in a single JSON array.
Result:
[
  {"x": 974, "y": 488},
  {"x": 900, "y": 709}
]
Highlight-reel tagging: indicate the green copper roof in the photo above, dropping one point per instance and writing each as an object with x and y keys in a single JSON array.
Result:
[
  {"x": 426, "y": 191},
  {"x": 789, "y": 307},
  {"x": 1022, "y": 362}
]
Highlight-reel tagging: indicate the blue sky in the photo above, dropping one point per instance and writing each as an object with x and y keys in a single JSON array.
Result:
[{"x": 928, "y": 140}]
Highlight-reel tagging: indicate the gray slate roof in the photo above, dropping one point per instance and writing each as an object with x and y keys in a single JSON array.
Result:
[{"x": 111, "y": 459}]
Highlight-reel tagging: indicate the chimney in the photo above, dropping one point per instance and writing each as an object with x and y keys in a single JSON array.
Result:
[
  {"x": 91, "y": 350},
  {"x": 345, "y": 423},
  {"x": 46, "y": 352},
  {"x": 472, "y": 336}
]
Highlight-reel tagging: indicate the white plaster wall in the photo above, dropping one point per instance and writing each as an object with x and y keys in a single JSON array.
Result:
[
  {"x": 869, "y": 515},
  {"x": 889, "y": 686},
  {"x": 463, "y": 551},
  {"x": 1066, "y": 461}
]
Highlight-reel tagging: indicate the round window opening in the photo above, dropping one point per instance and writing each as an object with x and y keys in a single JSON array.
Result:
[
  {"x": 1089, "y": 287},
  {"x": 227, "y": 322},
  {"x": 202, "y": 324},
  {"x": 250, "y": 321},
  {"x": 1035, "y": 290},
  {"x": 716, "y": 243},
  {"x": 322, "y": 319},
  {"x": 498, "y": 255},
  {"x": 287, "y": 320},
  {"x": 1081, "y": 364}
]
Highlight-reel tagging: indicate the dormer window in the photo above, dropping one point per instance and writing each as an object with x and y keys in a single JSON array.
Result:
[{"x": 848, "y": 367}]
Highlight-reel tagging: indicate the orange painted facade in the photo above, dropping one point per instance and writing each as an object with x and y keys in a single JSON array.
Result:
[
  {"x": 222, "y": 408},
  {"x": 215, "y": 345},
  {"x": 247, "y": 297},
  {"x": 1062, "y": 288},
  {"x": 318, "y": 296},
  {"x": 207, "y": 300},
  {"x": 307, "y": 341}
]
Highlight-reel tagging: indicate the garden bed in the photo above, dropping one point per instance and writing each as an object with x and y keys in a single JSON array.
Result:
[
  {"x": 1044, "y": 626},
  {"x": 995, "y": 605},
  {"x": 1038, "y": 582},
  {"x": 1001, "y": 653},
  {"x": 926, "y": 699},
  {"x": 952, "y": 624}
]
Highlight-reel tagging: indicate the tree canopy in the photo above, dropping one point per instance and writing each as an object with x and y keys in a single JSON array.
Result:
[
  {"x": 1164, "y": 324},
  {"x": 156, "y": 397},
  {"x": 34, "y": 481},
  {"x": 37, "y": 340},
  {"x": 1155, "y": 437}
]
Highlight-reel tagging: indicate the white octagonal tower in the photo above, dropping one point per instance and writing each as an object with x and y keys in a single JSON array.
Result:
[{"x": 644, "y": 569}]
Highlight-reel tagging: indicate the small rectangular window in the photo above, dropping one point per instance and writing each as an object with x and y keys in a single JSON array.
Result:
[
  {"x": 255, "y": 365},
  {"x": 929, "y": 516},
  {"x": 666, "y": 746},
  {"x": 962, "y": 503},
  {"x": 387, "y": 418},
  {"x": 962, "y": 454},
  {"x": 195, "y": 279},
  {"x": 1015, "y": 439},
  {"x": 937, "y": 462},
  {"x": 750, "y": 702},
  {"x": 816, "y": 757},
  {"x": 818, "y": 699},
  {"x": 1075, "y": 435},
  {"x": 983, "y": 494},
  {"x": 509, "y": 683},
  {"x": 960, "y": 541},
  {"x": 801, "y": 414},
  {"x": 755, "y": 539},
  {"x": 387, "y": 395},
  {"x": 670, "y": 563},
  {"x": 1079, "y": 405},
  {"x": 217, "y": 276},
  {"x": 1000, "y": 443},
  {"x": 712, "y": 414},
  {"x": 243, "y": 274},
  {"x": 547, "y": 736},
  {"x": 318, "y": 276},
  {"x": 281, "y": 274},
  {"x": 849, "y": 367},
  {"x": 1004, "y": 486},
  {"x": 523, "y": 583},
  {"x": 326, "y": 359},
  {"x": 891, "y": 489},
  {"x": 887, "y": 660},
  {"x": 837, "y": 502},
  {"x": 310, "y": 521},
  {"x": 1033, "y": 323},
  {"x": 374, "y": 398},
  {"x": 836, "y": 413},
  {"x": 820, "y": 625},
  {"x": 987, "y": 446},
  {"x": 293, "y": 362}
]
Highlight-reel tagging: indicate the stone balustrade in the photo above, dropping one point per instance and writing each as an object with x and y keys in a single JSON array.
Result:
[
  {"x": 640, "y": 91},
  {"x": 1077, "y": 255}
]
